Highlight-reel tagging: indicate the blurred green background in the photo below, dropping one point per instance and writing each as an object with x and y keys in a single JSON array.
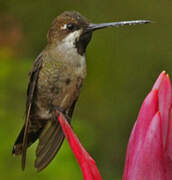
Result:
[{"x": 122, "y": 64}]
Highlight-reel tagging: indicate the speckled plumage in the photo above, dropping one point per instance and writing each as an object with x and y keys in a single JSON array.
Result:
[{"x": 55, "y": 82}]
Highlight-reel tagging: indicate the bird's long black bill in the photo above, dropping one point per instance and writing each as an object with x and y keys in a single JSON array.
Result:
[{"x": 93, "y": 27}]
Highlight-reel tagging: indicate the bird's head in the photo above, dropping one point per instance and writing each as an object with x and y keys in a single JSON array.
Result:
[{"x": 74, "y": 31}]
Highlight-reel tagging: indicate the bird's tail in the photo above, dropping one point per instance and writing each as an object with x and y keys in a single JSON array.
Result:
[
  {"x": 32, "y": 137},
  {"x": 50, "y": 142}
]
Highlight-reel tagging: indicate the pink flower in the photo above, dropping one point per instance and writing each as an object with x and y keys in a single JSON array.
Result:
[
  {"x": 87, "y": 164},
  {"x": 149, "y": 151}
]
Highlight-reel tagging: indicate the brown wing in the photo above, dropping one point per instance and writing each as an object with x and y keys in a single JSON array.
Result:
[
  {"x": 51, "y": 140},
  {"x": 30, "y": 96}
]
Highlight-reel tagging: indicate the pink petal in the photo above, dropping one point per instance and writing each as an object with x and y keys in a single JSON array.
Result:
[
  {"x": 165, "y": 97},
  {"x": 149, "y": 152},
  {"x": 87, "y": 164},
  {"x": 148, "y": 161},
  {"x": 130, "y": 148},
  {"x": 169, "y": 136},
  {"x": 147, "y": 112},
  {"x": 159, "y": 80},
  {"x": 168, "y": 166}
]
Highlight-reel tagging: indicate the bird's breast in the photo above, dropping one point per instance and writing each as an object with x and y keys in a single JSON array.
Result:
[{"x": 59, "y": 84}]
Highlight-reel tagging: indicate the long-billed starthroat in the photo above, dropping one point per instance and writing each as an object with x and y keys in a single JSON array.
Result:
[{"x": 55, "y": 83}]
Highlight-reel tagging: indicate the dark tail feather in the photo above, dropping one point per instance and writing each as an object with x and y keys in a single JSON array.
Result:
[
  {"x": 32, "y": 137},
  {"x": 50, "y": 142}
]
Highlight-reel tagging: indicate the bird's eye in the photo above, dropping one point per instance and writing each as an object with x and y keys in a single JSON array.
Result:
[{"x": 70, "y": 26}]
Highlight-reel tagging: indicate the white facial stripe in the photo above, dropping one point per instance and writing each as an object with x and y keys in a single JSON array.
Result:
[
  {"x": 68, "y": 42},
  {"x": 64, "y": 26}
]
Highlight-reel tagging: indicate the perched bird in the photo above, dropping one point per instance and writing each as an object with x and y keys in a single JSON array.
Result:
[{"x": 55, "y": 82}]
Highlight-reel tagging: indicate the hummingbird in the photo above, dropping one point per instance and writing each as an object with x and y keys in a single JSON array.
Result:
[{"x": 55, "y": 82}]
